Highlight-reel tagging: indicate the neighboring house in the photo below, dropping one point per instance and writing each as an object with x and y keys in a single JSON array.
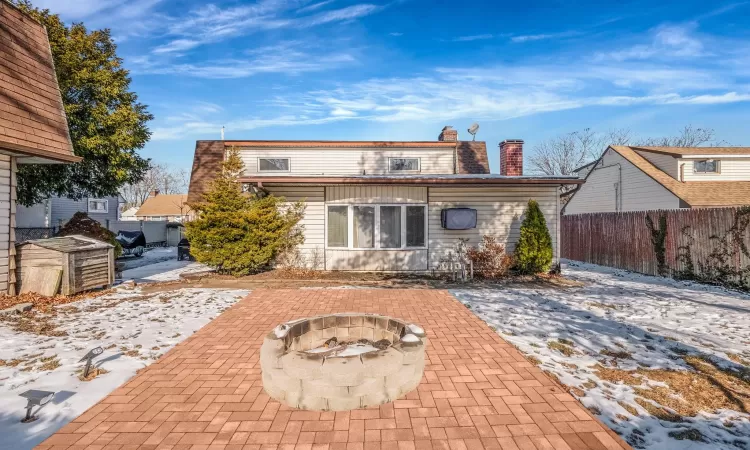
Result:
[
  {"x": 646, "y": 178},
  {"x": 171, "y": 207},
  {"x": 56, "y": 211},
  {"x": 33, "y": 127},
  {"x": 129, "y": 214},
  {"x": 378, "y": 205}
]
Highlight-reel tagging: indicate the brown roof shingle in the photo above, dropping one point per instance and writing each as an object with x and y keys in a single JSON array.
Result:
[
  {"x": 691, "y": 151},
  {"x": 472, "y": 157},
  {"x": 164, "y": 205},
  {"x": 694, "y": 193},
  {"x": 32, "y": 117}
]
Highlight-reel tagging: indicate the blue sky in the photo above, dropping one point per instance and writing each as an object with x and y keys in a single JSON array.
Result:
[{"x": 400, "y": 70}]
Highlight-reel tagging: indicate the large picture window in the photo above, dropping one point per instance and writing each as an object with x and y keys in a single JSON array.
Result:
[{"x": 377, "y": 227}]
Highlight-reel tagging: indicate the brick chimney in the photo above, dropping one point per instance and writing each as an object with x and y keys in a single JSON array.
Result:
[
  {"x": 448, "y": 134},
  {"x": 511, "y": 157}
]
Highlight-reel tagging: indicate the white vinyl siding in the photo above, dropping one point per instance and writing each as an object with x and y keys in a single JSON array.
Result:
[
  {"x": 499, "y": 213},
  {"x": 376, "y": 194},
  {"x": 348, "y": 161},
  {"x": 730, "y": 169},
  {"x": 313, "y": 221},
  {"x": 7, "y": 223},
  {"x": 639, "y": 191},
  {"x": 666, "y": 163}
]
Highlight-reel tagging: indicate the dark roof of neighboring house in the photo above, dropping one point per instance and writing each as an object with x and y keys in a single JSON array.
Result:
[
  {"x": 694, "y": 193},
  {"x": 164, "y": 205},
  {"x": 695, "y": 151},
  {"x": 471, "y": 155},
  {"x": 32, "y": 117}
]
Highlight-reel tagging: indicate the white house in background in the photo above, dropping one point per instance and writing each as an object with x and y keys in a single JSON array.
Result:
[
  {"x": 390, "y": 205},
  {"x": 129, "y": 214},
  {"x": 647, "y": 178}
]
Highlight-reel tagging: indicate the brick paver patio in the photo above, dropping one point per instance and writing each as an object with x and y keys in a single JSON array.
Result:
[{"x": 478, "y": 391}]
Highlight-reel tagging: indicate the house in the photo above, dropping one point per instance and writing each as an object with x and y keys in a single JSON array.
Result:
[
  {"x": 56, "y": 211},
  {"x": 646, "y": 178},
  {"x": 129, "y": 214},
  {"x": 33, "y": 126},
  {"x": 171, "y": 207},
  {"x": 380, "y": 205}
]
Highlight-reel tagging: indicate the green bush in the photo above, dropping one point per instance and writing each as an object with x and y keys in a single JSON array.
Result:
[
  {"x": 238, "y": 233},
  {"x": 534, "y": 248}
]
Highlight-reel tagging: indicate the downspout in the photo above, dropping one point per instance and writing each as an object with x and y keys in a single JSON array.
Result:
[
  {"x": 682, "y": 172},
  {"x": 455, "y": 158}
]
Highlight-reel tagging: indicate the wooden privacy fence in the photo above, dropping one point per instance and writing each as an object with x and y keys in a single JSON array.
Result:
[{"x": 623, "y": 240}]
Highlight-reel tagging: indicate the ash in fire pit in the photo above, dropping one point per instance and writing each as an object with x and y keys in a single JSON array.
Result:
[{"x": 342, "y": 361}]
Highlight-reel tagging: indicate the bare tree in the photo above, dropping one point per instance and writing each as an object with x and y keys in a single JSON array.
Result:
[
  {"x": 159, "y": 177},
  {"x": 563, "y": 154},
  {"x": 687, "y": 137}
]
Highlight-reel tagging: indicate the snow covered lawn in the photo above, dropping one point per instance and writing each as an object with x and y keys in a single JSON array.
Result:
[
  {"x": 133, "y": 328},
  {"x": 158, "y": 264},
  {"x": 664, "y": 363}
]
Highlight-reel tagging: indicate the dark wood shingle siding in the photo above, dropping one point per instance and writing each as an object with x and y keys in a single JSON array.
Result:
[{"x": 32, "y": 118}]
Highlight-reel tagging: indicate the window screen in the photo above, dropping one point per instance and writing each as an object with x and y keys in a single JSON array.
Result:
[
  {"x": 273, "y": 164},
  {"x": 338, "y": 226},
  {"x": 404, "y": 164},
  {"x": 390, "y": 227},
  {"x": 415, "y": 226}
]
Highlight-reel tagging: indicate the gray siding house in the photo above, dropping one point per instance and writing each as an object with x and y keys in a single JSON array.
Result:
[{"x": 56, "y": 211}]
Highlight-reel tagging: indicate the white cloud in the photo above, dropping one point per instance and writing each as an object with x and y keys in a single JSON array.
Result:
[
  {"x": 667, "y": 41},
  {"x": 314, "y": 6},
  {"x": 543, "y": 36},
  {"x": 395, "y": 34},
  {"x": 476, "y": 37},
  {"x": 211, "y": 24}
]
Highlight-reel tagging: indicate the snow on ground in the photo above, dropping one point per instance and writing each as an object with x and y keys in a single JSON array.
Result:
[
  {"x": 150, "y": 256},
  {"x": 158, "y": 264},
  {"x": 641, "y": 323},
  {"x": 133, "y": 328}
]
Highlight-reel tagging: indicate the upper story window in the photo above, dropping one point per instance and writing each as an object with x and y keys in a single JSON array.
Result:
[
  {"x": 403, "y": 164},
  {"x": 706, "y": 166},
  {"x": 273, "y": 164},
  {"x": 98, "y": 205}
]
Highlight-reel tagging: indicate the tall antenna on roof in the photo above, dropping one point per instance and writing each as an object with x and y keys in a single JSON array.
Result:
[
  {"x": 222, "y": 132},
  {"x": 473, "y": 130}
]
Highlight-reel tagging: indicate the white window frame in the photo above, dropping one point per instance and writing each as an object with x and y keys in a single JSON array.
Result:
[
  {"x": 718, "y": 166},
  {"x": 96, "y": 211},
  {"x": 419, "y": 164},
  {"x": 350, "y": 226},
  {"x": 289, "y": 164}
]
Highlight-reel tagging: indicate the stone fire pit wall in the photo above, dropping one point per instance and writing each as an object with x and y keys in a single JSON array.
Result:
[{"x": 320, "y": 382}]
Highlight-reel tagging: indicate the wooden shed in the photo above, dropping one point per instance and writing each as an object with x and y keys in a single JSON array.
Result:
[{"x": 65, "y": 265}]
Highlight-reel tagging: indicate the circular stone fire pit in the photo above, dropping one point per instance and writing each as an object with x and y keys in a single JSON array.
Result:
[{"x": 342, "y": 361}]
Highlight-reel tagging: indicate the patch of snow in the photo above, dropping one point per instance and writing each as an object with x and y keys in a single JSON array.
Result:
[
  {"x": 410, "y": 338},
  {"x": 281, "y": 331},
  {"x": 163, "y": 271},
  {"x": 415, "y": 329},
  {"x": 653, "y": 319},
  {"x": 356, "y": 350},
  {"x": 133, "y": 328}
]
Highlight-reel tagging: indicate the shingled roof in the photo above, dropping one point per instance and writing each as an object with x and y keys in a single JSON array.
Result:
[
  {"x": 32, "y": 118},
  {"x": 164, "y": 205},
  {"x": 694, "y": 193}
]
